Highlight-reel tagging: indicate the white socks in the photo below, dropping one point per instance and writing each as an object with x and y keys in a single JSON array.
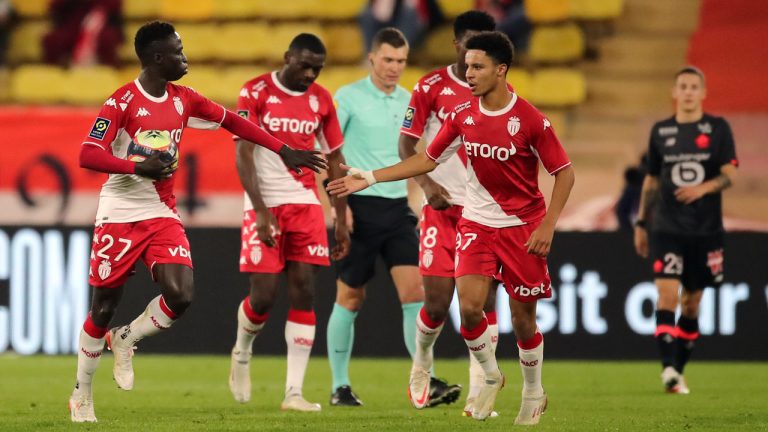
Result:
[
  {"x": 89, "y": 354},
  {"x": 249, "y": 325},
  {"x": 478, "y": 341},
  {"x": 476, "y": 373},
  {"x": 427, "y": 332},
  {"x": 299, "y": 337},
  {"x": 531, "y": 358},
  {"x": 155, "y": 318}
]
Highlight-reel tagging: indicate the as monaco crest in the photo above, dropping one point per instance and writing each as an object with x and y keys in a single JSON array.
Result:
[
  {"x": 426, "y": 260},
  {"x": 513, "y": 126},
  {"x": 256, "y": 254},
  {"x": 313, "y": 103},
  {"x": 105, "y": 269},
  {"x": 178, "y": 105}
]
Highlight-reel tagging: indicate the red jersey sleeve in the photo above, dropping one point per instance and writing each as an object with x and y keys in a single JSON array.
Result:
[
  {"x": 204, "y": 113},
  {"x": 330, "y": 137},
  {"x": 109, "y": 120},
  {"x": 417, "y": 114},
  {"x": 445, "y": 143},
  {"x": 547, "y": 147}
]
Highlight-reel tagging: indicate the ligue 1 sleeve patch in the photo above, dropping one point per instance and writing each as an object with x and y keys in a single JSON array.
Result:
[
  {"x": 408, "y": 120},
  {"x": 100, "y": 128},
  {"x": 243, "y": 114}
]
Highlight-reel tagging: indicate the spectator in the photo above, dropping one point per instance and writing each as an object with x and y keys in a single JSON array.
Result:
[
  {"x": 629, "y": 201},
  {"x": 510, "y": 19},
  {"x": 7, "y": 22},
  {"x": 84, "y": 32},
  {"x": 413, "y": 17}
]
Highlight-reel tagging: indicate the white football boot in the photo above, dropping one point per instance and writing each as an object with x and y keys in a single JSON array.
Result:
[
  {"x": 81, "y": 407},
  {"x": 418, "y": 387},
  {"x": 123, "y": 352},
  {"x": 297, "y": 402},
  {"x": 531, "y": 410},
  {"x": 486, "y": 399},
  {"x": 240, "y": 376}
]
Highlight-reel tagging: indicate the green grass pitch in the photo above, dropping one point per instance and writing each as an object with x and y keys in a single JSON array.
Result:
[{"x": 190, "y": 393}]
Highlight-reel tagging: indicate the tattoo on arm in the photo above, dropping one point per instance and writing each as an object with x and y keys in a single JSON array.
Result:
[
  {"x": 649, "y": 198},
  {"x": 721, "y": 182}
]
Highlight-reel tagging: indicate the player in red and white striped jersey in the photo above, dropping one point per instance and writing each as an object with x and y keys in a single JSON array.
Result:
[
  {"x": 432, "y": 101},
  {"x": 136, "y": 138},
  {"x": 505, "y": 224},
  {"x": 283, "y": 224}
]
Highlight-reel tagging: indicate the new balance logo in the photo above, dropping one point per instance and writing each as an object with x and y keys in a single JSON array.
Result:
[
  {"x": 469, "y": 121},
  {"x": 477, "y": 348},
  {"x": 303, "y": 341},
  {"x": 142, "y": 112},
  {"x": 90, "y": 354},
  {"x": 446, "y": 91},
  {"x": 529, "y": 363},
  {"x": 180, "y": 251},
  {"x": 273, "y": 100}
]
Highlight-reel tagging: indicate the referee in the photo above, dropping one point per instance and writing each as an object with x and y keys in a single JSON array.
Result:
[{"x": 370, "y": 112}]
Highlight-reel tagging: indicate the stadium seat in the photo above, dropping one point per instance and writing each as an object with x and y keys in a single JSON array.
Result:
[
  {"x": 140, "y": 9},
  {"x": 38, "y": 84},
  {"x": 188, "y": 10},
  {"x": 201, "y": 41},
  {"x": 344, "y": 42},
  {"x": 556, "y": 44},
  {"x": 206, "y": 80},
  {"x": 282, "y": 9},
  {"x": 126, "y": 51},
  {"x": 335, "y": 77},
  {"x": 547, "y": 11},
  {"x": 128, "y": 74},
  {"x": 453, "y": 8},
  {"x": 337, "y": 9},
  {"x": 596, "y": 9},
  {"x": 558, "y": 87},
  {"x": 438, "y": 48},
  {"x": 521, "y": 82},
  {"x": 411, "y": 76},
  {"x": 31, "y": 8},
  {"x": 89, "y": 85},
  {"x": 236, "y": 76},
  {"x": 27, "y": 42},
  {"x": 229, "y": 9},
  {"x": 281, "y": 35},
  {"x": 243, "y": 42}
]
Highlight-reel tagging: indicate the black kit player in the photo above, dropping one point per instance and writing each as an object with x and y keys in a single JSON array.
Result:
[{"x": 691, "y": 160}]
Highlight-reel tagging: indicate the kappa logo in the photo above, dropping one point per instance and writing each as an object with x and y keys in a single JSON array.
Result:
[
  {"x": 427, "y": 258},
  {"x": 513, "y": 125},
  {"x": 105, "y": 269},
  {"x": 142, "y": 112},
  {"x": 547, "y": 124},
  {"x": 180, "y": 251},
  {"x": 273, "y": 100},
  {"x": 318, "y": 250},
  {"x": 469, "y": 121},
  {"x": 303, "y": 341},
  {"x": 446, "y": 91},
  {"x": 111, "y": 102},
  {"x": 244, "y": 92}
]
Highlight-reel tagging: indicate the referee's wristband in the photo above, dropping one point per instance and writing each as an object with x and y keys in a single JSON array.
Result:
[
  {"x": 366, "y": 175},
  {"x": 640, "y": 223}
]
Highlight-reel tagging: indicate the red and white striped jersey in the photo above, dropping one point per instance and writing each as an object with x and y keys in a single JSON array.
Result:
[
  {"x": 297, "y": 118},
  {"x": 503, "y": 150},
  {"x": 132, "y": 114}
]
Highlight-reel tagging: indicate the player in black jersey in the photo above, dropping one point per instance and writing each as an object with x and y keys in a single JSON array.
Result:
[{"x": 691, "y": 160}]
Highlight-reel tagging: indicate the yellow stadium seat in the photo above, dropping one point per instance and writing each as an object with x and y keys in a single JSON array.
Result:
[
  {"x": 547, "y": 11},
  {"x": 281, "y": 35},
  {"x": 206, "y": 80},
  {"x": 335, "y": 77},
  {"x": 201, "y": 41},
  {"x": 128, "y": 74},
  {"x": 283, "y": 9},
  {"x": 38, "y": 84},
  {"x": 411, "y": 76},
  {"x": 126, "y": 50},
  {"x": 344, "y": 43},
  {"x": 90, "y": 85},
  {"x": 229, "y": 9},
  {"x": 188, "y": 10},
  {"x": 336, "y": 9},
  {"x": 232, "y": 80},
  {"x": 596, "y": 9},
  {"x": 141, "y": 9},
  {"x": 27, "y": 42},
  {"x": 243, "y": 42},
  {"x": 438, "y": 47},
  {"x": 556, "y": 44},
  {"x": 559, "y": 87},
  {"x": 453, "y": 8},
  {"x": 520, "y": 80},
  {"x": 31, "y": 8}
]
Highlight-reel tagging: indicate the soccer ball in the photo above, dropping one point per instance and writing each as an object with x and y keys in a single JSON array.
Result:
[{"x": 148, "y": 142}]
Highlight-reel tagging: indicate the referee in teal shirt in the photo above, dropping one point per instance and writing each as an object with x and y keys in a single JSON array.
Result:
[{"x": 370, "y": 114}]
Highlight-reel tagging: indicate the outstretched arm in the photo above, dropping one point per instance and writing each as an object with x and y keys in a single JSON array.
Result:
[
  {"x": 96, "y": 158},
  {"x": 436, "y": 195},
  {"x": 358, "y": 180}
]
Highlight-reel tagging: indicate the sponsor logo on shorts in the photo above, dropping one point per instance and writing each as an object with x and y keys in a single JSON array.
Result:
[
  {"x": 303, "y": 341},
  {"x": 427, "y": 258},
  {"x": 715, "y": 262},
  {"x": 524, "y": 291},
  {"x": 477, "y": 348},
  {"x": 100, "y": 128},
  {"x": 318, "y": 250},
  {"x": 529, "y": 363},
  {"x": 408, "y": 120},
  {"x": 180, "y": 251},
  {"x": 91, "y": 354},
  {"x": 105, "y": 269}
]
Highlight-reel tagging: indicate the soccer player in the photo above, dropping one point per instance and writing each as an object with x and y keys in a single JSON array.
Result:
[
  {"x": 505, "y": 223},
  {"x": 136, "y": 139},
  {"x": 283, "y": 224},
  {"x": 434, "y": 96},
  {"x": 691, "y": 160},
  {"x": 370, "y": 112}
]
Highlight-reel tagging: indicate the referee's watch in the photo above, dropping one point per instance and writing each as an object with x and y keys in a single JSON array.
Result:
[{"x": 640, "y": 223}]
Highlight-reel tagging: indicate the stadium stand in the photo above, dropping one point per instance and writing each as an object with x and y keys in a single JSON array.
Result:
[
  {"x": 547, "y": 11},
  {"x": 556, "y": 44},
  {"x": 26, "y": 46},
  {"x": 25, "y": 84}
]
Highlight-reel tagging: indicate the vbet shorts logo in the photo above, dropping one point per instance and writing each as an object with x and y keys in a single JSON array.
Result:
[
  {"x": 427, "y": 258},
  {"x": 318, "y": 250},
  {"x": 524, "y": 291},
  {"x": 256, "y": 254},
  {"x": 105, "y": 269},
  {"x": 100, "y": 128}
]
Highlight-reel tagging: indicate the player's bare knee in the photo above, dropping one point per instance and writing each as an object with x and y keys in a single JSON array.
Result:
[
  {"x": 102, "y": 313},
  {"x": 471, "y": 316},
  {"x": 301, "y": 297},
  {"x": 178, "y": 295},
  {"x": 524, "y": 327},
  {"x": 437, "y": 310}
]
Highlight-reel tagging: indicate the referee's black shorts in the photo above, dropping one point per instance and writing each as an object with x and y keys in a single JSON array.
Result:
[{"x": 385, "y": 226}]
